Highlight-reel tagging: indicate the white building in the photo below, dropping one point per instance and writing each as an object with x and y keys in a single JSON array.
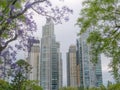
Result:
[{"x": 33, "y": 60}]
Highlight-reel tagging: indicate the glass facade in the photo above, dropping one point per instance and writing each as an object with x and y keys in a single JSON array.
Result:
[
  {"x": 90, "y": 74},
  {"x": 49, "y": 58}
]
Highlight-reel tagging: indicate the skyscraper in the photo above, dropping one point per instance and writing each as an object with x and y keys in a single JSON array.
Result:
[
  {"x": 49, "y": 58},
  {"x": 90, "y": 74},
  {"x": 72, "y": 67},
  {"x": 60, "y": 64},
  {"x": 33, "y": 60}
]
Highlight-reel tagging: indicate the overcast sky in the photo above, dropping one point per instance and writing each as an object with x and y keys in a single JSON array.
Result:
[{"x": 66, "y": 34}]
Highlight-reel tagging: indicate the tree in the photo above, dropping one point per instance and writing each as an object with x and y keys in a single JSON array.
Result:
[
  {"x": 19, "y": 81},
  {"x": 114, "y": 86},
  {"x": 19, "y": 74},
  {"x": 17, "y": 24},
  {"x": 102, "y": 18},
  {"x": 69, "y": 88},
  {"x": 4, "y": 85},
  {"x": 102, "y": 87},
  {"x": 31, "y": 85}
]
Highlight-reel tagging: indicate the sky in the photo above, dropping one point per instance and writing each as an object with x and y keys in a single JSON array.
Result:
[{"x": 66, "y": 34}]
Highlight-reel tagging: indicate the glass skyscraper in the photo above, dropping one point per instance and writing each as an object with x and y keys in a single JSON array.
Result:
[
  {"x": 90, "y": 74},
  {"x": 50, "y": 58}
]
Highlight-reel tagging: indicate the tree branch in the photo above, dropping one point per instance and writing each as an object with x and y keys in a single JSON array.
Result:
[
  {"x": 42, "y": 14},
  {"x": 117, "y": 26},
  {"x": 13, "y": 3},
  {"x": 20, "y": 13},
  {"x": 7, "y": 42},
  {"x": 26, "y": 8}
]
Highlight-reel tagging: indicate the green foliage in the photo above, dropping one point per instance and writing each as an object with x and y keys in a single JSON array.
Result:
[
  {"x": 1, "y": 62},
  {"x": 102, "y": 88},
  {"x": 20, "y": 80},
  {"x": 69, "y": 88},
  {"x": 23, "y": 64},
  {"x": 31, "y": 85},
  {"x": 3, "y": 3},
  {"x": 114, "y": 87},
  {"x": 27, "y": 85},
  {"x": 110, "y": 87},
  {"x": 80, "y": 88},
  {"x": 6, "y": 9},
  {"x": 4, "y": 85},
  {"x": 20, "y": 77},
  {"x": 101, "y": 17}
]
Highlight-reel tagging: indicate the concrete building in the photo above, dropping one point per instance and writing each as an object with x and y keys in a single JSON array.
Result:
[
  {"x": 33, "y": 60},
  {"x": 50, "y": 58},
  {"x": 90, "y": 74},
  {"x": 72, "y": 67}
]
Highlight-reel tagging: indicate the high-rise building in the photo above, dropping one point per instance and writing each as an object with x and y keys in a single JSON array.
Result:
[
  {"x": 60, "y": 64},
  {"x": 33, "y": 60},
  {"x": 49, "y": 58},
  {"x": 90, "y": 74},
  {"x": 72, "y": 67}
]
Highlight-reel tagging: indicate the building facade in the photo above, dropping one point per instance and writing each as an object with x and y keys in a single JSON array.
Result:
[
  {"x": 72, "y": 79},
  {"x": 50, "y": 58},
  {"x": 60, "y": 65},
  {"x": 90, "y": 74},
  {"x": 33, "y": 60}
]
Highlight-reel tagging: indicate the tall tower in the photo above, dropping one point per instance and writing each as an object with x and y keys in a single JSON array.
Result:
[
  {"x": 60, "y": 64},
  {"x": 72, "y": 67},
  {"x": 49, "y": 58},
  {"x": 33, "y": 60},
  {"x": 90, "y": 74}
]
